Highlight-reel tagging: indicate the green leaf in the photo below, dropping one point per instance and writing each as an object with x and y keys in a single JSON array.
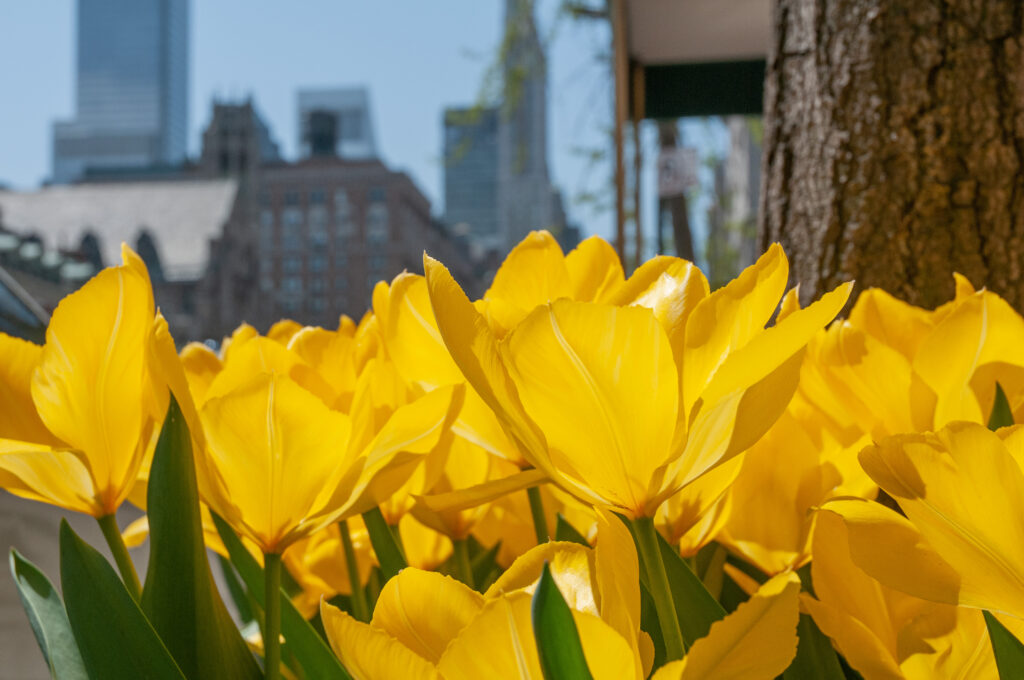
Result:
[
  {"x": 483, "y": 563},
  {"x": 114, "y": 636},
  {"x": 1001, "y": 415},
  {"x": 243, "y": 602},
  {"x": 567, "y": 532},
  {"x": 558, "y": 642},
  {"x": 695, "y": 606},
  {"x": 180, "y": 597},
  {"x": 389, "y": 554},
  {"x": 815, "y": 656},
  {"x": 317, "y": 659},
  {"x": 49, "y": 620},
  {"x": 649, "y": 624},
  {"x": 1009, "y": 651}
]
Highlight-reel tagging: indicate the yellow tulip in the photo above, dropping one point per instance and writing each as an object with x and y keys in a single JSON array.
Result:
[
  {"x": 283, "y": 465},
  {"x": 95, "y": 400},
  {"x": 318, "y": 565},
  {"x": 961, "y": 540},
  {"x": 756, "y": 641},
  {"x": 424, "y": 547},
  {"x": 623, "y": 440},
  {"x": 783, "y": 477},
  {"x": 426, "y": 625},
  {"x": 884, "y": 633}
]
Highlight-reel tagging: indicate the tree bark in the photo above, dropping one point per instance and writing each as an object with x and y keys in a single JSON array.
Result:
[{"x": 894, "y": 142}]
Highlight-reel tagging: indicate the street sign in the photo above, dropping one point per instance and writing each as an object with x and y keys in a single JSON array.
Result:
[{"x": 677, "y": 171}]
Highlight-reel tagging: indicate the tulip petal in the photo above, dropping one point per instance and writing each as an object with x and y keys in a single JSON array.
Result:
[
  {"x": 862, "y": 616},
  {"x": 276, "y": 447},
  {"x": 594, "y": 269},
  {"x": 18, "y": 417},
  {"x": 410, "y": 332},
  {"x": 944, "y": 483},
  {"x": 758, "y": 640},
  {"x": 648, "y": 274},
  {"x": 41, "y": 473},
  {"x": 752, "y": 387},
  {"x": 91, "y": 387},
  {"x": 412, "y": 431},
  {"x": 425, "y": 610},
  {"x": 474, "y": 348},
  {"x": 533, "y": 273},
  {"x": 369, "y": 653},
  {"x": 728, "y": 318},
  {"x": 503, "y": 628},
  {"x": 890, "y": 549},
  {"x": 616, "y": 363},
  {"x": 474, "y": 496},
  {"x": 891, "y": 321},
  {"x": 572, "y": 567}
]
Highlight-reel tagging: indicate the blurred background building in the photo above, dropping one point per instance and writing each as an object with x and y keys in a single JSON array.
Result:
[
  {"x": 131, "y": 96},
  {"x": 496, "y": 184},
  {"x": 336, "y": 122}
]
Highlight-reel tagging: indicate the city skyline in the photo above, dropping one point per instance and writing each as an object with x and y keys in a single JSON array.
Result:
[
  {"x": 408, "y": 138},
  {"x": 131, "y": 88}
]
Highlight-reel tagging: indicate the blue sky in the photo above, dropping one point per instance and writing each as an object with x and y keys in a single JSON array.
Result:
[{"x": 416, "y": 58}]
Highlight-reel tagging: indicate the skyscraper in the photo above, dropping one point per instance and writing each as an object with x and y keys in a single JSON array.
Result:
[
  {"x": 336, "y": 122},
  {"x": 471, "y": 173},
  {"x": 497, "y": 185},
  {"x": 132, "y": 88}
]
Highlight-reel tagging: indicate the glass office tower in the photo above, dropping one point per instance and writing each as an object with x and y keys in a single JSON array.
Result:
[{"x": 132, "y": 88}]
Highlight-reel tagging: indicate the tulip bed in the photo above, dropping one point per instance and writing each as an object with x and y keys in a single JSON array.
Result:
[{"x": 580, "y": 475}]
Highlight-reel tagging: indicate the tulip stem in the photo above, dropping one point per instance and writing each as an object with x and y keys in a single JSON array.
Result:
[
  {"x": 108, "y": 524},
  {"x": 272, "y": 616},
  {"x": 463, "y": 569},
  {"x": 540, "y": 522},
  {"x": 661, "y": 592},
  {"x": 360, "y": 609}
]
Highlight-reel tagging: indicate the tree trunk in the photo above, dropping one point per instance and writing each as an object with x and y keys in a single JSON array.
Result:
[{"x": 894, "y": 141}]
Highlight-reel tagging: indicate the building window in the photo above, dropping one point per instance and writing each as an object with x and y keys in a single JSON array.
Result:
[
  {"x": 266, "y": 282},
  {"x": 266, "y": 217},
  {"x": 341, "y": 261},
  {"x": 291, "y": 216},
  {"x": 378, "y": 263},
  {"x": 341, "y": 282},
  {"x": 318, "y": 263},
  {"x": 292, "y": 264},
  {"x": 343, "y": 222},
  {"x": 289, "y": 306},
  {"x": 317, "y": 197},
  {"x": 291, "y": 238},
  {"x": 377, "y": 195},
  {"x": 317, "y": 218},
  {"x": 317, "y": 304},
  {"x": 291, "y": 198},
  {"x": 292, "y": 284},
  {"x": 267, "y": 236},
  {"x": 377, "y": 224},
  {"x": 317, "y": 284}
]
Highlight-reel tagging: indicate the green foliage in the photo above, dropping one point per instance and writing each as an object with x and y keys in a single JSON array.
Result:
[
  {"x": 316, "y": 657},
  {"x": 1009, "y": 651},
  {"x": 49, "y": 621},
  {"x": 1001, "y": 415},
  {"x": 114, "y": 636},
  {"x": 180, "y": 597},
  {"x": 567, "y": 532},
  {"x": 389, "y": 553},
  {"x": 558, "y": 642},
  {"x": 815, "y": 657}
]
